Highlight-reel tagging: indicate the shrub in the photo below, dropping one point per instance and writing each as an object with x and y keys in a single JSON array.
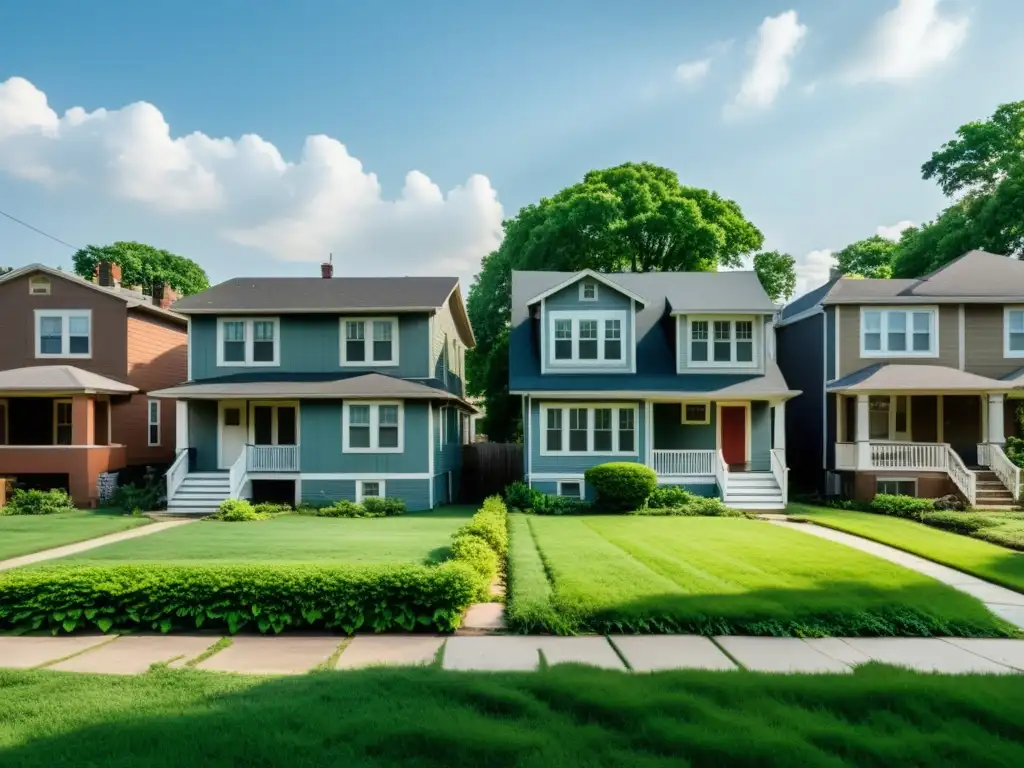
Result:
[
  {"x": 474, "y": 552},
  {"x": 237, "y": 511},
  {"x": 482, "y": 543},
  {"x": 901, "y": 506},
  {"x": 849, "y": 504},
  {"x": 269, "y": 598},
  {"x": 521, "y": 495},
  {"x": 670, "y": 496},
  {"x": 1015, "y": 450},
  {"x": 621, "y": 485},
  {"x": 268, "y": 508},
  {"x": 148, "y": 497},
  {"x": 950, "y": 503},
  {"x": 38, "y": 503},
  {"x": 346, "y": 508},
  {"x": 959, "y": 522},
  {"x": 490, "y": 524},
  {"x": 387, "y": 506},
  {"x": 699, "y": 506},
  {"x": 559, "y": 505}
]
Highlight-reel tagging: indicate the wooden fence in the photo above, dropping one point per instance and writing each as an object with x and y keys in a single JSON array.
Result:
[{"x": 487, "y": 468}]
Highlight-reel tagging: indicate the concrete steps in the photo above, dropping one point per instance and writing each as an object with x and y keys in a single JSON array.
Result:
[
  {"x": 200, "y": 493},
  {"x": 754, "y": 491},
  {"x": 992, "y": 494}
]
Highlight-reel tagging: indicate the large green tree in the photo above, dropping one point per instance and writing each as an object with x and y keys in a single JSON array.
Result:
[
  {"x": 777, "y": 273},
  {"x": 143, "y": 265},
  {"x": 871, "y": 257},
  {"x": 633, "y": 217}
]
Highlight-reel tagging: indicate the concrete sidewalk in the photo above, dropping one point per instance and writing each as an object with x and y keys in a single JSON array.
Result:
[{"x": 301, "y": 653}]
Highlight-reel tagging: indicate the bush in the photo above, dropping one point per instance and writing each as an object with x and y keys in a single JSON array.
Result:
[
  {"x": 950, "y": 503},
  {"x": 268, "y": 508},
  {"x": 237, "y": 511},
  {"x": 474, "y": 552},
  {"x": 521, "y": 496},
  {"x": 169, "y": 598},
  {"x": 38, "y": 503},
  {"x": 959, "y": 522},
  {"x": 482, "y": 543},
  {"x": 130, "y": 497},
  {"x": 387, "y": 506},
  {"x": 699, "y": 506},
  {"x": 670, "y": 496},
  {"x": 622, "y": 486},
  {"x": 901, "y": 506},
  {"x": 1015, "y": 450},
  {"x": 490, "y": 524},
  {"x": 560, "y": 505},
  {"x": 345, "y": 508}
]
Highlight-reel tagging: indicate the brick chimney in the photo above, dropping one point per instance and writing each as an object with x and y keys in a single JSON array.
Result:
[
  {"x": 107, "y": 275},
  {"x": 327, "y": 270},
  {"x": 164, "y": 295}
]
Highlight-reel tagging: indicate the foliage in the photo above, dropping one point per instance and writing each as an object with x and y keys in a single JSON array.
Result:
[
  {"x": 528, "y": 605},
  {"x": 237, "y": 511},
  {"x": 490, "y": 524},
  {"x": 482, "y": 543},
  {"x": 519, "y": 495},
  {"x": 622, "y": 485},
  {"x": 777, "y": 273},
  {"x": 633, "y": 217},
  {"x": 1015, "y": 450},
  {"x": 871, "y": 257},
  {"x": 949, "y": 503},
  {"x": 129, "y": 497},
  {"x": 959, "y": 522},
  {"x": 901, "y": 506},
  {"x": 269, "y": 508},
  {"x": 38, "y": 503},
  {"x": 388, "y": 506},
  {"x": 169, "y": 598},
  {"x": 546, "y": 504},
  {"x": 673, "y": 501},
  {"x": 670, "y": 496},
  {"x": 370, "y": 507},
  {"x": 143, "y": 265}
]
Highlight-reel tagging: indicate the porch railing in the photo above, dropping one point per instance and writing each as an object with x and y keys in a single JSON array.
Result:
[
  {"x": 964, "y": 479},
  {"x": 684, "y": 462},
  {"x": 272, "y": 458},
  {"x": 923, "y": 456},
  {"x": 781, "y": 472},
  {"x": 912, "y": 457},
  {"x": 176, "y": 474},
  {"x": 722, "y": 474},
  {"x": 992, "y": 456}
]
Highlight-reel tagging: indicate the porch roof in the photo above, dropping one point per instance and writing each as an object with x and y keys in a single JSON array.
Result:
[
  {"x": 60, "y": 379},
  {"x": 887, "y": 377}
]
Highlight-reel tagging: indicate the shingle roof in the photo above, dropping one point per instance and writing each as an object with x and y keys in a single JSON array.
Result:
[
  {"x": 883, "y": 377},
  {"x": 60, "y": 379},
  {"x": 806, "y": 302}
]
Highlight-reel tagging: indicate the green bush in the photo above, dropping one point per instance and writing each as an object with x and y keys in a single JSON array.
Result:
[
  {"x": 622, "y": 486},
  {"x": 901, "y": 506},
  {"x": 959, "y": 522},
  {"x": 130, "y": 497},
  {"x": 346, "y": 508},
  {"x": 560, "y": 505},
  {"x": 38, "y": 503},
  {"x": 699, "y": 506},
  {"x": 482, "y": 543},
  {"x": 1015, "y": 450},
  {"x": 237, "y": 511},
  {"x": 474, "y": 552},
  {"x": 169, "y": 598},
  {"x": 670, "y": 496},
  {"x": 387, "y": 506},
  {"x": 521, "y": 496},
  {"x": 491, "y": 525},
  {"x": 268, "y": 508}
]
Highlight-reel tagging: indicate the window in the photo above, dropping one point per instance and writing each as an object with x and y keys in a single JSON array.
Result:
[
  {"x": 589, "y": 429},
  {"x": 154, "y": 422},
  {"x": 372, "y": 428},
  {"x": 897, "y": 487},
  {"x": 586, "y": 338},
  {"x": 369, "y": 489},
  {"x": 274, "y": 423},
  {"x": 588, "y": 291},
  {"x": 696, "y": 413},
  {"x": 898, "y": 333},
  {"x": 721, "y": 342},
  {"x": 248, "y": 342},
  {"x": 39, "y": 285},
  {"x": 64, "y": 333},
  {"x": 699, "y": 341},
  {"x": 232, "y": 417},
  {"x": 613, "y": 340},
  {"x": 878, "y": 417},
  {"x": 563, "y": 339},
  {"x": 371, "y": 341},
  {"x": 62, "y": 422},
  {"x": 1013, "y": 323},
  {"x": 572, "y": 489}
]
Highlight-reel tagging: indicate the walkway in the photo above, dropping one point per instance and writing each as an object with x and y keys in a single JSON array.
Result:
[
  {"x": 1005, "y": 603},
  {"x": 83, "y": 546}
]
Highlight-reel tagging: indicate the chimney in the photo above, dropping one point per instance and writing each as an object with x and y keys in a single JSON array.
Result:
[
  {"x": 164, "y": 295},
  {"x": 327, "y": 270},
  {"x": 834, "y": 274},
  {"x": 107, "y": 275}
]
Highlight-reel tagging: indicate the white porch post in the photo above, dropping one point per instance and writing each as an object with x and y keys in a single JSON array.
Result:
[
  {"x": 780, "y": 427},
  {"x": 180, "y": 425},
  {"x": 863, "y": 446},
  {"x": 995, "y": 419}
]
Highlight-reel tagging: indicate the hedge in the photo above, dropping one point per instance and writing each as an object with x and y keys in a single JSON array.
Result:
[{"x": 621, "y": 485}]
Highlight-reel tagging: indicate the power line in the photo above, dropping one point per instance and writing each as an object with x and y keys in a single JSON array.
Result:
[{"x": 38, "y": 231}]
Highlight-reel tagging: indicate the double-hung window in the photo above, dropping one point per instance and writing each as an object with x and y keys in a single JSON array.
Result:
[
  {"x": 1013, "y": 325},
  {"x": 153, "y": 422},
  {"x": 586, "y": 338},
  {"x": 898, "y": 332},
  {"x": 369, "y": 341},
  {"x": 372, "y": 428},
  {"x": 369, "y": 489},
  {"x": 721, "y": 342},
  {"x": 596, "y": 429},
  {"x": 64, "y": 333},
  {"x": 248, "y": 341},
  {"x": 62, "y": 422}
]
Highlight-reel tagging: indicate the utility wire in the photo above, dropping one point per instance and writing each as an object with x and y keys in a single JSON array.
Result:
[{"x": 38, "y": 231}]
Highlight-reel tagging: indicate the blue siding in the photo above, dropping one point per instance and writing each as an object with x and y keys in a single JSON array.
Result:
[
  {"x": 415, "y": 493},
  {"x": 312, "y": 344},
  {"x": 708, "y": 490},
  {"x": 321, "y": 442},
  {"x": 760, "y": 436},
  {"x": 607, "y": 299},
  {"x": 671, "y": 434},
  {"x": 577, "y": 464},
  {"x": 202, "y": 434}
]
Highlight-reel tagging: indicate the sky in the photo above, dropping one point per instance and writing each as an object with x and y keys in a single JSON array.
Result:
[{"x": 396, "y": 136}]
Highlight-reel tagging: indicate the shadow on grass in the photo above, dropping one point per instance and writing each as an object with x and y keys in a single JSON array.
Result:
[{"x": 568, "y": 716}]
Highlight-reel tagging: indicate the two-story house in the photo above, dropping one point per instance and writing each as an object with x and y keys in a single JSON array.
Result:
[
  {"x": 319, "y": 389},
  {"x": 77, "y": 359},
  {"x": 910, "y": 385},
  {"x": 674, "y": 370}
]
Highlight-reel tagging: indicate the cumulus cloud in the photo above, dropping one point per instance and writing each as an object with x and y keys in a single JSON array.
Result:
[
  {"x": 908, "y": 41},
  {"x": 692, "y": 72},
  {"x": 894, "y": 231},
  {"x": 812, "y": 271},
  {"x": 296, "y": 210},
  {"x": 778, "y": 41}
]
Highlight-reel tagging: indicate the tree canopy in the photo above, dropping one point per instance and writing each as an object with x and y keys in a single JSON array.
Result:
[
  {"x": 871, "y": 257},
  {"x": 143, "y": 265},
  {"x": 777, "y": 273}
]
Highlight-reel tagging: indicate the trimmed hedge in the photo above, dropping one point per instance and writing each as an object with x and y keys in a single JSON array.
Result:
[
  {"x": 370, "y": 507},
  {"x": 622, "y": 485},
  {"x": 237, "y": 511},
  {"x": 482, "y": 543},
  {"x": 901, "y": 506}
]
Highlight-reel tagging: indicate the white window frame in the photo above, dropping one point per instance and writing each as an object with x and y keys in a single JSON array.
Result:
[
  {"x": 369, "y": 362},
  {"x": 360, "y": 496},
  {"x": 591, "y": 407},
  {"x": 248, "y": 362},
  {"x": 893, "y": 436},
  {"x": 582, "y": 485},
  {"x": 39, "y": 281},
  {"x": 1007, "y": 311},
  {"x": 932, "y": 351},
  {"x": 707, "y": 411},
  {"x": 150, "y": 422},
  {"x": 584, "y": 284},
  {"x": 602, "y": 317},
  {"x": 374, "y": 446},
  {"x": 754, "y": 361},
  {"x": 880, "y": 480},
  {"x": 65, "y": 330}
]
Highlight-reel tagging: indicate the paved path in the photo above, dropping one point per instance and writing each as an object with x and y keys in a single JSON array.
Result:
[
  {"x": 1005, "y": 603},
  {"x": 301, "y": 653},
  {"x": 82, "y": 546}
]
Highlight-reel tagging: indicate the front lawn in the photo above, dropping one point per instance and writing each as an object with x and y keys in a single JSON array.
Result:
[
  {"x": 422, "y": 537},
  {"x": 567, "y": 716},
  {"x": 979, "y": 558},
  {"x": 720, "y": 576},
  {"x": 25, "y": 534}
]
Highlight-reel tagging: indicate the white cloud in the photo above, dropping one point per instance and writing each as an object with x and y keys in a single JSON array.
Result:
[
  {"x": 813, "y": 271},
  {"x": 692, "y": 72},
  {"x": 908, "y": 41},
  {"x": 893, "y": 232},
  {"x": 324, "y": 202},
  {"x": 778, "y": 40}
]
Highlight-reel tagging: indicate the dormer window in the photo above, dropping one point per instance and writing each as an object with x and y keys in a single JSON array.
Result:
[
  {"x": 582, "y": 338},
  {"x": 39, "y": 286},
  {"x": 588, "y": 290}
]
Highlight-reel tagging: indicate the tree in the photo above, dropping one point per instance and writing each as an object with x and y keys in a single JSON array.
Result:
[
  {"x": 143, "y": 265},
  {"x": 634, "y": 217},
  {"x": 777, "y": 273},
  {"x": 5, "y": 270},
  {"x": 871, "y": 257}
]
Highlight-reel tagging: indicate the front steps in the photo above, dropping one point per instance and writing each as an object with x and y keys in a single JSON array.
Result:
[
  {"x": 753, "y": 490},
  {"x": 992, "y": 494},
  {"x": 200, "y": 493}
]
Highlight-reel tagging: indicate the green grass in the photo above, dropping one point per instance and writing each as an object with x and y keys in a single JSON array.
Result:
[
  {"x": 25, "y": 534},
  {"x": 979, "y": 558},
  {"x": 722, "y": 576},
  {"x": 565, "y": 717},
  {"x": 291, "y": 539}
]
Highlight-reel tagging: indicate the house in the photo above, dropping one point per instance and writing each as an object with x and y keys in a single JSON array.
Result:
[
  {"x": 673, "y": 370},
  {"x": 910, "y": 386},
  {"x": 320, "y": 389},
  {"x": 77, "y": 361}
]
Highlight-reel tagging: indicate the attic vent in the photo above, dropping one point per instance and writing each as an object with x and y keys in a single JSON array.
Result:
[{"x": 39, "y": 286}]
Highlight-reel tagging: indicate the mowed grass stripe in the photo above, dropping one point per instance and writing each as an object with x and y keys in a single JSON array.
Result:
[
  {"x": 25, "y": 534},
  {"x": 529, "y": 590}
]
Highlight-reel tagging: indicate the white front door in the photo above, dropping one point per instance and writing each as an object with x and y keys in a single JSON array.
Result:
[{"x": 233, "y": 431}]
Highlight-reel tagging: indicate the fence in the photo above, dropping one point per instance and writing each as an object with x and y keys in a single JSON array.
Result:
[{"x": 487, "y": 468}]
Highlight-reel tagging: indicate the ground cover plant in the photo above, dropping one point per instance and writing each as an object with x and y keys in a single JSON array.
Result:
[
  {"x": 722, "y": 576},
  {"x": 24, "y": 534},
  {"x": 567, "y": 716},
  {"x": 24, "y": 502}
]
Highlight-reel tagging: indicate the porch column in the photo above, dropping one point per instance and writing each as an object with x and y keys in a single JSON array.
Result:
[
  {"x": 780, "y": 427},
  {"x": 996, "y": 422},
  {"x": 83, "y": 417},
  {"x": 863, "y": 444},
  {"x": 180, "y": 425}
]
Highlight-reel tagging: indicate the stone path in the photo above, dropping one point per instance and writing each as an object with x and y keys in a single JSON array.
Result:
[
  {"x": 298, "y": 654},
  {"x": 83, "y": 546},
  {"x": 1005, "y": 603}
]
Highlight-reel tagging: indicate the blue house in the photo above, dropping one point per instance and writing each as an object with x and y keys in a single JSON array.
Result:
[
  {"x": 319, "y": 389},
  {"x": 673, "y": 370}
]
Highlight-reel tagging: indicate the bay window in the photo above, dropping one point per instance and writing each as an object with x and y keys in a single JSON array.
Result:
[
  {"x": 898, "y": 332},
  {"x": 1013, "y": 325},
  {"x": 248, "y": 341},
  {"x": 721, "y": 342},
  {"x": 589, "y": 429},
  {"x": 586, "y": 338},
  {"x": 372, "y": 428},
  {"x": 367, "y": 341}
]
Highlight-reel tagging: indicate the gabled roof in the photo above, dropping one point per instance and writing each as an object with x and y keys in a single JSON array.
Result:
[
  {"x": 883, "y": 377},
  {"x": 60, "y": 379},
  {"x": 577, "y": 276}
]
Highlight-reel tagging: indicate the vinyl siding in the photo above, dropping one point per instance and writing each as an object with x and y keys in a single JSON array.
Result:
[
  {"x": 984, "y": 337},
  {"x": 683, "y": 346},
  {"x": 760, "y": 436},
  {"x": 849, "y": 342},
  {"x": 321, "y": 442},
  {"x": 202, "y": 433},
  {"x": 575, "y": 464},
  {"x": 415, "y": 493},
  {"x": 671, "y": 434},
  {"x": 447, "y": 352},
  {"x": 607, "y": 299}
]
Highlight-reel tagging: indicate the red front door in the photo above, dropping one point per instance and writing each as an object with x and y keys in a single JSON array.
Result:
[{"x": 734, "y": 434}]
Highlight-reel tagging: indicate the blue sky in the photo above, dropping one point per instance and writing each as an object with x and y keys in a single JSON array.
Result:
[{"x": 432, "y": 122}]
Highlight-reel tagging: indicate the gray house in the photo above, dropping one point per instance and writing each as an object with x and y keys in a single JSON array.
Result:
[
  {"x": 318, "y": 389},
  {"x": 910, "y": 386},
  {"x": 674, "y": 370}
]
